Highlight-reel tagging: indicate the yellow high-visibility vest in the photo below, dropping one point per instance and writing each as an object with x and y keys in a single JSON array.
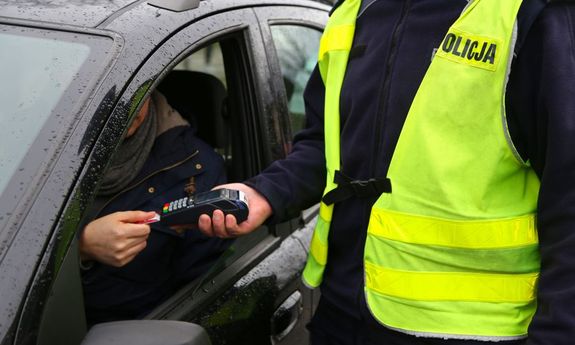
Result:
[{"x": 452, "y": 252}]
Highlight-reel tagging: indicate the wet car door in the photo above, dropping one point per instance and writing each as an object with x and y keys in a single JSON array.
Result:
[{"x": 256, "y": 284}]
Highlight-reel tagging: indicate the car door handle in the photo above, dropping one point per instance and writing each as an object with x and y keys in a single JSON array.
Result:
[{"x": 286, "y": 317}]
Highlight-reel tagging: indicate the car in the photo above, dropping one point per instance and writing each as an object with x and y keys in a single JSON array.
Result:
[{"x": 73, "y": 74}]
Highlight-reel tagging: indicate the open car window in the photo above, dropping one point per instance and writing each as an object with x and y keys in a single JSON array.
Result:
[
  {"x": 197, "y": 88},
  {"x": 214, "y": 86}
]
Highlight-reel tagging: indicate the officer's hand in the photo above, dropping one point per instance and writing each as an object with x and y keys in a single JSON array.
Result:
[
  {"x": 115, "y": 239},
  {"x": 225, "y": 227}
]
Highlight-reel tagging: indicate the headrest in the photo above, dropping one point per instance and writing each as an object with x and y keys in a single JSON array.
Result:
[{"x": 200, "y": 98}]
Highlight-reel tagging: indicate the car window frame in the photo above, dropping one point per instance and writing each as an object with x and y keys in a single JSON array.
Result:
[
  {"x": 273, "y": 120},
  {"x": 197, "y": 295},
  {"x": 286, "y": 15}
]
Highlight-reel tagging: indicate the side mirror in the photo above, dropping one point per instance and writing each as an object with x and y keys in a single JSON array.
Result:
[{"x": 147, "y": 332}]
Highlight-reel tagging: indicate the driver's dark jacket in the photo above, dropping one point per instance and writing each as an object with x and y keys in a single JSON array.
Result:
[
  {"x": 178, "y": 159},
  {"x": 393, "y": 45}
]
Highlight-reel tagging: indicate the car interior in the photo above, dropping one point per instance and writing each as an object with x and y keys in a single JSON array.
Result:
[{"x": 202, "y": 99}]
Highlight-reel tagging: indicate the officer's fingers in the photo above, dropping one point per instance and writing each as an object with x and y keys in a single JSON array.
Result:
[
  {"x": 232, "y": 226},
  {"x": 205, "y": 225},
  {"x": 219, "y": 224},
  {"x": 182, "y": 227}
]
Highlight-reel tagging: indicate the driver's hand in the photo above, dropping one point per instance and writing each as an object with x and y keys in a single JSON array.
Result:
[{"x": 115, "y": 239}]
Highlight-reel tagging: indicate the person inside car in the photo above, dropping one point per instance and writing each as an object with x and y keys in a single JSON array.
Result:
[{"x": 129, "y": 266}]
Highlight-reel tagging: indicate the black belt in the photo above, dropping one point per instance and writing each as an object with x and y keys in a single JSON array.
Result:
[{"x": 347, "y": 187}]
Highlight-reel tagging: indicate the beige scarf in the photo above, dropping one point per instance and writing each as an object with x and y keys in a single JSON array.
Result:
[{"x": 134, "y": 150}]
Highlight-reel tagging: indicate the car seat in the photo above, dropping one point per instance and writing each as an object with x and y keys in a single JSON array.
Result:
[{"x": 201, "y": 99}]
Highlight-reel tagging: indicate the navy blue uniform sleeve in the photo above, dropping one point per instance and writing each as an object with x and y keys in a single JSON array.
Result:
[
  {"x": 543, "y": 104},
  {"x": 297, "y": 182}
]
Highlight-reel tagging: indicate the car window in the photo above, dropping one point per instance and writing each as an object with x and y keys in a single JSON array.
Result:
[
  {"x": 201, "y": 78},
  {"x": 46, "y": 80},
  {"x": 206, "y": 60},
  {"x": 297, "y": 48},
  {"x": 35, "y": 74}
]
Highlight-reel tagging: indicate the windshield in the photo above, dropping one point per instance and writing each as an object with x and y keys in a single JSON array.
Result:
[{"x": 35, "y": 72}]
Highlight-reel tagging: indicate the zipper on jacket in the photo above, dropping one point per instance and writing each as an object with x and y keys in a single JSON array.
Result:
[
  {"x": 385, "y": 87},
  {"x": 146, "y": 178}
]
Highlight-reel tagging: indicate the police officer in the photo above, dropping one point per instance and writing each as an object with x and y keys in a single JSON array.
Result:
[{"x": 439, "y": 136}]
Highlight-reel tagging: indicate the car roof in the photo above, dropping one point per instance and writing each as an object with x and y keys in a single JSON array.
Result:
[
  {"x": 93, "y": 13},
  {"x": 87, "y": 13}
]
